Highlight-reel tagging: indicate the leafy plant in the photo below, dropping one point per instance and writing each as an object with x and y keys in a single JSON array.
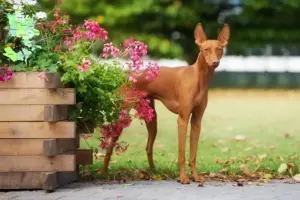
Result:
[{"x": 59, "y": 46}]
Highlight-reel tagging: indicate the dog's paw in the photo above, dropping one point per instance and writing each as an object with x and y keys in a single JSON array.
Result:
[
  {"x": 183, "y": 179},
  {"x": 198, "y": 178}
]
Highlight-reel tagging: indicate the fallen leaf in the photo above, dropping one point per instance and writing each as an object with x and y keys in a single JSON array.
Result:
[
  {"x": 212, "y": 175},
  {"x": 291, "y": 167},
  {"x": 268, "y": 176},
  {"x": 293, "y": 157},
  {"x": 221, "y": 141},
  {"x": 259, "y": 184},
  {"x": 240, "y": 138},
  {"x": 224, "y": 170},
  {"x": 281, "y": 158},
  {"x": 245, "y": 170},
  {"x": 225, "y": 149},
  {"x": 219, "y": 160},
  {"x": 249, "y": 183},
  {"x": 283, "y": 167},
  {"x": 233, "y": 158},
  {"x": 157, "y": 177},
  {"x": 297, "y": 178},
  {"x": 262, "y": 156},
  {"x": 248, "y": 149},
  {"x": 271, "y": 148},
  {"x": 98, "y": 155}
]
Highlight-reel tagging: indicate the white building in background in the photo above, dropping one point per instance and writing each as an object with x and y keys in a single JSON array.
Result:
[{"x": 248, "y": 64}]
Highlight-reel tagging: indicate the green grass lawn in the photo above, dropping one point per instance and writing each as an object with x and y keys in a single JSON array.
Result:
[{"x": 269, "y": 119}]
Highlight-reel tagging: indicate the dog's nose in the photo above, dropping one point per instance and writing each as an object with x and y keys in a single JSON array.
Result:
[{"x": 215, "y": 63}]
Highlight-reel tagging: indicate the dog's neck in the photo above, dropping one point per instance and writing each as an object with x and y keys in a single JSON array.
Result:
[{"x": 204, "y": 72}]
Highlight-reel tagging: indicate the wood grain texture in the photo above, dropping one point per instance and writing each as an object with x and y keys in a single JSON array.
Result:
[
  {"x": 25, "y": 113},
  {"x": 37, "y": 96},
  {"x": 37, "y": 130},
  {"x": 21, "y": 113},
  {"x": 63, "y": 163},
  {"x": 53, "y": 147},
  {"x": 33, "y": 80},
  {"x": 36, "y": 147},
  {"x": 54, "y": 113},
  {"x": 35, "y": 180}
]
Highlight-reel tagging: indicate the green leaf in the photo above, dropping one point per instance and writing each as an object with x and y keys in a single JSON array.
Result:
[{"x": 10, "y": 53}]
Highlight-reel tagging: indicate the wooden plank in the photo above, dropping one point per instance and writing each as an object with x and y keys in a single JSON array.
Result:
[
  {"x": 54, "y": 113},
  {"x": 36, "y": 147},
  {"x": 21, "y": 113},
  {"x": 53, "y": 147},
  {"x": 84, "y": 156},
  {"x": 37, "y": 96},
  {"x": 37, "y": 130},
  {"x": 35, "y": 180},
  {"x": 33, "y": 80},
  {"x": 21, "y": 180},
  {"x": 49, "y": 113},
  {"x": 63, "y": 163},
  {"x": 50, "y": 182},
  {"x": 19, "y": 147},
  {"x": 55, "y": 180},
  {"x": 64, "y": 178}
]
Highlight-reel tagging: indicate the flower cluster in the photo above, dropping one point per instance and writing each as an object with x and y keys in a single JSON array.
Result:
[
  {"x": 110, "y": 49},
  {"x": 85, "y": 64},
  {"x": 143, "y": 109},
  {"x": 94, "y": 31},
  {"x": 24, "y": 2},
  {"x": 67, "y": 49},
  {"x": 152, "y": 71},
  {"x": 112, "y": 130},
  {"x": 134, "y": 50},
  {"x": 5, "y": 74},
  {"x": 143, "y": 112}
]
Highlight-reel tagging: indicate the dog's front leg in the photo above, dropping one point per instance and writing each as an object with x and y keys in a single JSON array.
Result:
[
  {"x": 197, "y": 115},
  {"x": 183, "y": 119}
]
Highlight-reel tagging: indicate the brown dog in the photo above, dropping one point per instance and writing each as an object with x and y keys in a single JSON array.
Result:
[{"x": 184, "y": 91}]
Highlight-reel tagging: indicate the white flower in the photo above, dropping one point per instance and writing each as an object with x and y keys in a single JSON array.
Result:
[
  {"x": 29, "y": 2},
  {"x": 41, "y": 15},
  {"x": 14, "y": 2},
  {"x": 25, "y": 2}
]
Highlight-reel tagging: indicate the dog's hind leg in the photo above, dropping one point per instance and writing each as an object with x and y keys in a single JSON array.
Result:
[
  {"x": 152, "y": 131},
  {"x": 108, "y": 154}
]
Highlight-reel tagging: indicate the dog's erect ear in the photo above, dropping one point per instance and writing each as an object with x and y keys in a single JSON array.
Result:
[
  {"x": 224, "y": 35},
  {"x": 199, "y": 34}
]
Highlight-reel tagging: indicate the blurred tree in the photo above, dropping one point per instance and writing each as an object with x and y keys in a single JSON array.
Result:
[{"x": 167, "y": 26}]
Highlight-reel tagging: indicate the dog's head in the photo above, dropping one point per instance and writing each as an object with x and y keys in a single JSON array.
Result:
[{"x": 212, "y": 50}]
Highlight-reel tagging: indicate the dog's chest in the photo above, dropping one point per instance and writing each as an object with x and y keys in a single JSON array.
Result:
[{"x": 197, "y": 98}]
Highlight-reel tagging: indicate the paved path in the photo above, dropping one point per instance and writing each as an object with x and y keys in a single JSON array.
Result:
[{"x": 165, "y": 190}]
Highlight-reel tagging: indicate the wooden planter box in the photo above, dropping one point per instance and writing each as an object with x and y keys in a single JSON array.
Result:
[{"x": 38, "y": 146}]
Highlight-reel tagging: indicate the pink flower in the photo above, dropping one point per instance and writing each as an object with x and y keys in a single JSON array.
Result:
[
  {"x": 128, "y": 42},
  {"x": 110, "y": 49},
  {"x": 5, "y": 74},
  {"x": 85, "y": 64},
  {"x": 152, "y": 71},
  {"x": 68, "y": 42},
  {"x": 95, "y": 31}
]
